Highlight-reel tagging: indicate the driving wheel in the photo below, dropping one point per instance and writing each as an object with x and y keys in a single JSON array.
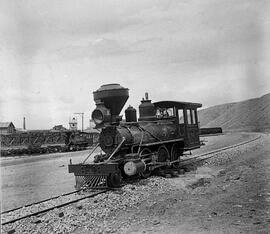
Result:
[{"x": 146, "y": 173}]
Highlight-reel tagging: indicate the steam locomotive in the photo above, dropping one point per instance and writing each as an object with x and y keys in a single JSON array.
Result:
[{"x": 163, "y": 131}]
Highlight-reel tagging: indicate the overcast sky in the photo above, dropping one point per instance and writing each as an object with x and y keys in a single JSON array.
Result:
[{"x": 54, "y": 54}]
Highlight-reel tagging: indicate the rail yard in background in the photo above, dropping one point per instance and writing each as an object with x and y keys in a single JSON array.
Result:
[{"x": 58, "y": 139}]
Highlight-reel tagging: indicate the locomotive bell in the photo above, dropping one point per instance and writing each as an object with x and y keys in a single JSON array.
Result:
[{"x": 109, "y": 99}]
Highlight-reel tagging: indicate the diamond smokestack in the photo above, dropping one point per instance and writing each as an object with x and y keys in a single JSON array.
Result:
[{"x": 113, "y": 97}]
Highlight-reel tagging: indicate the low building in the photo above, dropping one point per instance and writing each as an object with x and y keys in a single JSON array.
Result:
[
  {"x": 59, "y": 128},
  {"x": 7, "y": 127}
]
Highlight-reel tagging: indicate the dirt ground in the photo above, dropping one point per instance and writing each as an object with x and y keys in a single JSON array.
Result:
[
  {"x": 229, "y": 193},
  {"x": 228, "y": 196},
  {"x": 29, "y": 179}
]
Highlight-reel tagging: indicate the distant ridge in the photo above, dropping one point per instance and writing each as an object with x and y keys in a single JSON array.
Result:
[{"x": 249, "y": 115}]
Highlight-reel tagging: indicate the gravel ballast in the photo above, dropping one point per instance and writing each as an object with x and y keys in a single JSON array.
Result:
[
  {"x": 115, "y": 211},
  {"x": 96, "y": 214}
]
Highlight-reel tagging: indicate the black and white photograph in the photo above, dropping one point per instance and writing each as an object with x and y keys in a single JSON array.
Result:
[{"x": 135, "y": 116}]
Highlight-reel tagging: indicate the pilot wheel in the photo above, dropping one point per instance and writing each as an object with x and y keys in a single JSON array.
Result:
[{"x": 114, "y": 180}]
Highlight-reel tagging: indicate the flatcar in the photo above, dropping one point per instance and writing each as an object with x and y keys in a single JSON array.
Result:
[
  {"x": 44, "y": 141},
  {"x": 160, "y": 136}
]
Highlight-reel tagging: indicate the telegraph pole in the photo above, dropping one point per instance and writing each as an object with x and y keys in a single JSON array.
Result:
[{"x": 81, "y": 114}]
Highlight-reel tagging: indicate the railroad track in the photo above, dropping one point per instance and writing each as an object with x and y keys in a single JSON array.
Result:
[
  {"x": 37, "y": 208},
  {"x": 212, "y": 153}
]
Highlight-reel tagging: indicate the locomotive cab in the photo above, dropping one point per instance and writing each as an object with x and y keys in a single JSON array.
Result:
[{"x": 185, "y": 117}]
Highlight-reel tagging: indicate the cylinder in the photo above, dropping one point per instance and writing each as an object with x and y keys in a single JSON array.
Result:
[{"x": 134, "y": 167}]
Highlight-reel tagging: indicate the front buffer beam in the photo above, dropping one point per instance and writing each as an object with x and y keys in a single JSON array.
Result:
[{"x": 96, "y": 175}]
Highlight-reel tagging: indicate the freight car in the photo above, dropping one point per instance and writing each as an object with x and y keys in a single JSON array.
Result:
[
  {"x": 131, "y": 148},
  {"x": 44, "y": 141}
]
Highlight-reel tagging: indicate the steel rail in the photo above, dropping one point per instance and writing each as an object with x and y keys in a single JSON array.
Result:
[
  {"x": 35, "y": 203},
  {"x": 53, "y": 207},
  {"x": 187, "y": 161}
]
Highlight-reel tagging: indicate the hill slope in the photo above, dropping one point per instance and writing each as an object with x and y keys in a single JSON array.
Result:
[{"x": 249, "y": 115}]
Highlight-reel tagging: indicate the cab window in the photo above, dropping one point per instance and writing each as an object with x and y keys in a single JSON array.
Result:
[
  {"x": 165, "y": 112},
  {"x": 181, "y": 116},
  {"x": 170, "y": 112},
  {"x": 189, "y": 116},
  {"x": 194, "y": 115}
]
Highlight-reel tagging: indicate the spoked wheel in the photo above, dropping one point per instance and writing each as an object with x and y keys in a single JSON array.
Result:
[
  {"x": 163, "y": 154},
  {"x": 145, "y": 174},
  {"x": 176, "y": 152}
]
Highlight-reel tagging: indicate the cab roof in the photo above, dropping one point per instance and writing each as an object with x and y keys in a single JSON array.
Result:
[{"x": 179, "y": 105}]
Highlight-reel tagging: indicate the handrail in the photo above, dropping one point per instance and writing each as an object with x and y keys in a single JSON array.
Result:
[
  {"x": 116, "y": 149},
  {"x": 140, "y": 142},
  {"x": 91, "y": 153}
]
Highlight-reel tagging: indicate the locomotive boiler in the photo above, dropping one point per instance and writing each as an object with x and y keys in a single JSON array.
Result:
[{"x": 131, "y": 147}]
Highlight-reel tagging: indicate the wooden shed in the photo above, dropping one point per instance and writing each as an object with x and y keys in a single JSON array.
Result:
[{"x": 7, "y": 127}]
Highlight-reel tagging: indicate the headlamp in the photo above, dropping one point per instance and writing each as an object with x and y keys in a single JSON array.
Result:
[
  {"x": 101, "y": 114},
  {"x": 98, "y": 116}
]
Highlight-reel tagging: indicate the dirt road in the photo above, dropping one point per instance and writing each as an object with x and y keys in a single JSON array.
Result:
[{"x": 32, "y": 178}]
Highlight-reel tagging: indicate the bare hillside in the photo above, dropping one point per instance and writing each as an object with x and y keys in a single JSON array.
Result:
[{"x": 249, "y": 115}]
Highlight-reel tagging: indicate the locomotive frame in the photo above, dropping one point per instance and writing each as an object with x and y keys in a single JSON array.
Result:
[{"x": 134, "y": 148}]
